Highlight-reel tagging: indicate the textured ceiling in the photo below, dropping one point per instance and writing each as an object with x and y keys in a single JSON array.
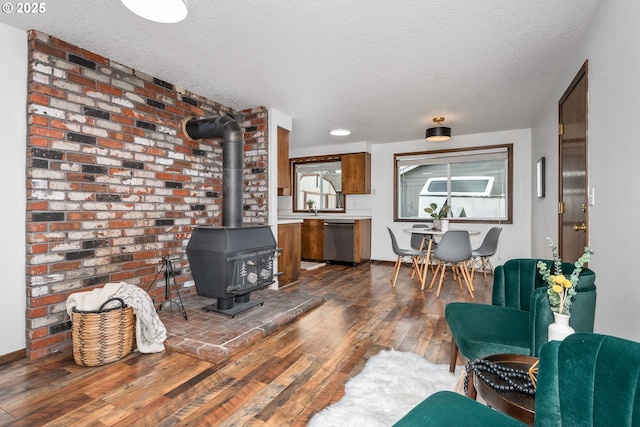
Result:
[{"x": 383, "y": 69}]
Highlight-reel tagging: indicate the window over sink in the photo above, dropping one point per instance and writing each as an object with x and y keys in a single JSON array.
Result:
[{"x": 317, "y": 184}]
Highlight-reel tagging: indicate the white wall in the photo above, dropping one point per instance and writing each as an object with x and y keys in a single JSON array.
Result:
[
  {"x": 612, "y": 46},
  {"x": 276, "y": 119},
  {"x": 13, "y": 75},
  {"x": 514, "y": 239}
]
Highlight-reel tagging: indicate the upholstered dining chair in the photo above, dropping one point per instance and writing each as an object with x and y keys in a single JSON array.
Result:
[
  {"x": 401, "y": 253},
  {"x": 517, "y": 319},
  {"x": 586, "y": 380},
  {"x": 454, "y": 249},
  {"x": 485, "y": 251}
]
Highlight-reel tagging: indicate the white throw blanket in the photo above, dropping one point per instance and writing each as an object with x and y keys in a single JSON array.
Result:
[{"x": 150, "y": 331}]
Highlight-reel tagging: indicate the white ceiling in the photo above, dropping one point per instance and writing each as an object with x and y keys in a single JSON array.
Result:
[{"x": 381, "y": 68}]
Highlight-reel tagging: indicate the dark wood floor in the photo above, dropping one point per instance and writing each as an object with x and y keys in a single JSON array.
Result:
[{"x": 281, "y": 380}]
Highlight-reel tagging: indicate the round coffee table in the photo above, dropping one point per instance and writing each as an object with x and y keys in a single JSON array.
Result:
[{"x": 513, "y": 403}]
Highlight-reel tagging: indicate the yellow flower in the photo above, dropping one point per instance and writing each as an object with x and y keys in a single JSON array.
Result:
[
  {"x": 558, "y": 280},
  {"x": 557, "y": 289},
  {"x": 567, "y": 283}
]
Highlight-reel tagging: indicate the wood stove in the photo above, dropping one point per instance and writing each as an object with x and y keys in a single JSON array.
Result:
[
  {"x": 231, "y": 261},
  {"x": 228, "y": 263}
]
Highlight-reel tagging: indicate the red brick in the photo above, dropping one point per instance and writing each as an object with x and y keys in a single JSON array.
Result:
[
  {"x": 112, "y": 90},
  {"x": 68, "y": 47},
  {"x": 46, "y": 48},
  {"x": 38, "y": 206},
  {"x": 36, "y": 98},
  {"x": 65, "y": 266},
  {"x": 81, "y": 216},
  {"x": 65, "y": 226},
  {"x": 81, "y": 158},
  {"x": 38, "y": 88},
  {"x": 50, "y": 133},
  {"x": 38, "y": 249},
  {"x": 122, "y": 276},
  {"x": 58, "y": 124},
  {"x": 40, "y": 120},
  {"x": 46, "y": 342},
  {"x": 122, "y": 119},
  {"x": 46, "y": 300},
  {"x": 81, "y": 80},
  {"x": 121, "y": 224},
  {"x": 95, "y": 57},
  {"x": 37, "y": 270},
  {"x": 40, "y": 332}
]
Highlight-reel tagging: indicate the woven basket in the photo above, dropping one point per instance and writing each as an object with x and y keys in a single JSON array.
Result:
[{"x": 103, "y": 336}]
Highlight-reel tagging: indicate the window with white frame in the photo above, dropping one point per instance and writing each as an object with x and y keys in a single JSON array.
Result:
[{"x": 475, "y": 182}]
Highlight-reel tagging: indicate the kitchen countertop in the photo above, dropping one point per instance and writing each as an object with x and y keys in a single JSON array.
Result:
[
  {"x": 282, "y": 221},
  {"x": 320, "y": 216}
]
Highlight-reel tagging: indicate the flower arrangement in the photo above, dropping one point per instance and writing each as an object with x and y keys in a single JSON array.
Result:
[
  {"x": 560, "y": 288},
  {"x": 432, "y": 210}
]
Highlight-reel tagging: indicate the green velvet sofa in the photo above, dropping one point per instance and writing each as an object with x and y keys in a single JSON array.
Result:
[
  {"x": 585, "y": 380},
  {"x": 517, "y": 319}
]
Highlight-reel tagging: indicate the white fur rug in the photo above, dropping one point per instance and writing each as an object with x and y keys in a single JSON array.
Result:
[{"x": 390, "y": 385}]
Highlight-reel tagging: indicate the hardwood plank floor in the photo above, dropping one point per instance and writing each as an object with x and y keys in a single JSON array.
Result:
[{"x": 281, "y": 380}]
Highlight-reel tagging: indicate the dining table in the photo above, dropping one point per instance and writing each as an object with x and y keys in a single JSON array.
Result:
[{"x": 435, "y": 232}]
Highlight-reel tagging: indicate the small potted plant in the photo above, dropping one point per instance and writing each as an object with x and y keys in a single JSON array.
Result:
[
  {"x": 440, "y": 221},
  {"x": 310, "y": 205}
]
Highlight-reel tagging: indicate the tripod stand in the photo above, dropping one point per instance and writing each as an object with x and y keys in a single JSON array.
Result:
[{"x": 169, "y": 273}]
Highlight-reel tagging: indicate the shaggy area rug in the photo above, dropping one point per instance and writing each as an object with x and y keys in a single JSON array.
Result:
[{"x": 390, "y": 385}]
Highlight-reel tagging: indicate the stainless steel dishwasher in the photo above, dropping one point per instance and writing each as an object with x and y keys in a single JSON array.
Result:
[{"x": 339, "y": 240}]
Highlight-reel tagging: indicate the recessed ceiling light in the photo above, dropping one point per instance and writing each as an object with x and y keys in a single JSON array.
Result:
[
  {"x": 163, "y": 11},
  {"x": 340, "y": 132}
]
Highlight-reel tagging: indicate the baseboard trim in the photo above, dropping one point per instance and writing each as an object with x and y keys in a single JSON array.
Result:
[{"x": 13, "y": 356}]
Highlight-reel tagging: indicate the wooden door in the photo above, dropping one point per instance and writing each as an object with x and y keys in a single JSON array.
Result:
[{"x": 573, "y": 218}]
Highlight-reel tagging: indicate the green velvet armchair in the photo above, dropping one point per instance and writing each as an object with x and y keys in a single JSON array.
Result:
[
  {"x": 517, "y": 319},
  {"x": 585, "y": 380}
]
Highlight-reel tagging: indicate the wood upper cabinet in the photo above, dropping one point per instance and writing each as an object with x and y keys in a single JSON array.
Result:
[
  {"x": 356, "y": 173},
  {"x": 284, "y": 168}
]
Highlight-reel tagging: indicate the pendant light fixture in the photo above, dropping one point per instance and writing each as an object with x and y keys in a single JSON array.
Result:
[
  {"x": 438, "y": 133},
  {"x": 163, "y": 11}
]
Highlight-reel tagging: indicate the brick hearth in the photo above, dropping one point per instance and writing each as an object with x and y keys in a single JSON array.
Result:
[{"x": 214, "y": 336}]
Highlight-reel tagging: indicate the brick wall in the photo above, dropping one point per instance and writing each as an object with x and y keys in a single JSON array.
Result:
[{"x": 113, "y": 184}]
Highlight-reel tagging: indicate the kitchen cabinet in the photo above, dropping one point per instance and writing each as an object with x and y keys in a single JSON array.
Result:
[
  {"x": 312, "y": 239},
  {"x": 289, "y": 260},
  {"x": 356, "y": 173},
  {"x": 336, "y": 239},
  {"x": 284, "y": 168}
]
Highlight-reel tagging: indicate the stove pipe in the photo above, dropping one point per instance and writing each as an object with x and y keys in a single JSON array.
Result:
[{"x": 232, "y": 157}]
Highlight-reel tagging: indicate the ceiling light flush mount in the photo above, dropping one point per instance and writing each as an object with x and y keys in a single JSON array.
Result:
[
  {"x": 438, "y": 133},
  {"x": 340, "y": 132},
  {"x": 163, "y": 11}
]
